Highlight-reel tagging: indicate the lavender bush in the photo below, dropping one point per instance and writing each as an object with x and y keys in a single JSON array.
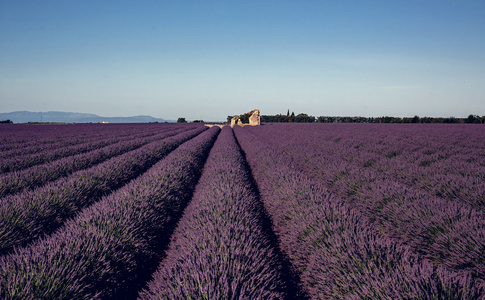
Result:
[
  {"x": 23, "y": 139},
  {"x": 356, "y": 211},
  {"x": 220, "y": 249},
  {"x": 104, "y": 251},
  {"x": 26, "y": 216},
  {"x": 448, "y": 231},
  {"x": 36, "y": 176},
  {"x": 336, "y": 248},
  {"x": 68, "y": 147}
]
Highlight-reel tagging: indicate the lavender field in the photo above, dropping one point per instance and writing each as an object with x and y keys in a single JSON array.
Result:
[{"x": 278, "y": 211}]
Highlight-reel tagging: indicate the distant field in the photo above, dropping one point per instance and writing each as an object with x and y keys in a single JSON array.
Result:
[{"x": 284, "y": 211}]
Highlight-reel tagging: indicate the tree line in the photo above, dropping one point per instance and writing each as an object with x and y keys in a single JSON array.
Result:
[{"x": 304, "y": 118}]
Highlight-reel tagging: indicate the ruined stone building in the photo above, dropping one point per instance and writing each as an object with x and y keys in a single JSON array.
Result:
[{"x": 254, "y": 118}]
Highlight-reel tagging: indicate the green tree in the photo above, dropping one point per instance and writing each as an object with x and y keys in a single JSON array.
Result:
[
  {"x": 304, "y": 118},
  {"x": 181, "y": 120},
  {"x": 473, "y": 119},
  {"x": 245, "y": 118}
]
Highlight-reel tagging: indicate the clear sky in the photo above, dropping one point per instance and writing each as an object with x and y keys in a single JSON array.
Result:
[{"x": 210, "y": 59}]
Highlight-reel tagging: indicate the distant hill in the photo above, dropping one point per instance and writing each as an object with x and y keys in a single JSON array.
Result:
[{"x": 73, "y": 117}]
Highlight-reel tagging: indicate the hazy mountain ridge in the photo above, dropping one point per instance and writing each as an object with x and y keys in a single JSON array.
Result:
[{"x": 73, "y": 117}]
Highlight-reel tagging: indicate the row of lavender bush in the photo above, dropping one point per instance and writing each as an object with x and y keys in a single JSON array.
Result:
[
  {"x": 24, "y": 139},
  {"x": 445, "y": 161},
  {"x": 106, "y": 250},
  {"x": 448, "y": 231},
  {"x": 19, "y": 162},
  {"x": 23, "y": 136},
  {"x": 40, "y": 144},
  {"x": 26, "y": 216},
  {"x": 335, "y": 247},
  {"x": 36, "y": 176},
  {"x": 220, "y": 249},
  {"x": 69, "y": 146}
]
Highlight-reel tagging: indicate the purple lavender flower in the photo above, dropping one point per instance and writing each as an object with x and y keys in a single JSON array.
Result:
[
  {"x": 220, "y": 249},
  {"x": 26, "y": 216},
  {"x": 334, "y": 244},
  {"x": 104, "y": 251}
]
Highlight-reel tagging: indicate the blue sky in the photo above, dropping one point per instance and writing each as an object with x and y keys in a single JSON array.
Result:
[{"x": 210, "y": 59}]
